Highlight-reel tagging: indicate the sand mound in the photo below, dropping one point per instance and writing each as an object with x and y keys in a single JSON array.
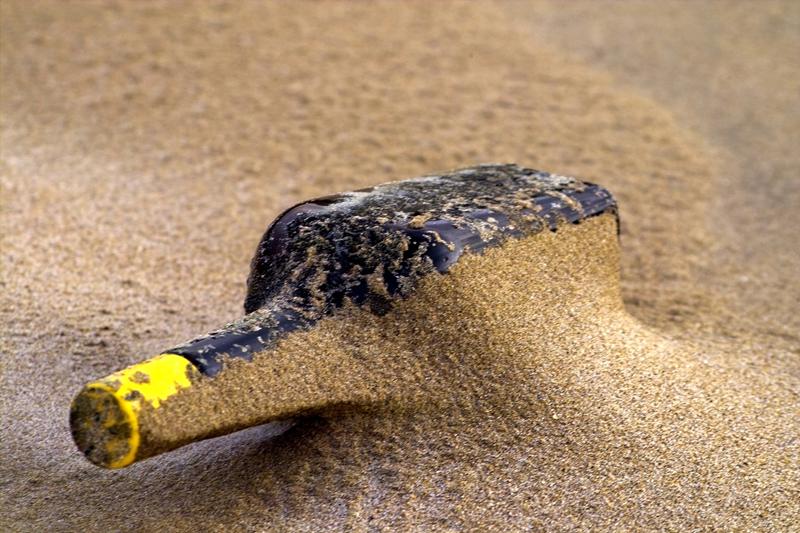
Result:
[{"x": 144, "y": 150}]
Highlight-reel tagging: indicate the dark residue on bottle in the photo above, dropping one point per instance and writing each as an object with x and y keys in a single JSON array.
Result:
[{"x": 370, "y": 247}]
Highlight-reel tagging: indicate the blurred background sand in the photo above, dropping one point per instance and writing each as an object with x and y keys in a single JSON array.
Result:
[{"x": 145, "y": 147}]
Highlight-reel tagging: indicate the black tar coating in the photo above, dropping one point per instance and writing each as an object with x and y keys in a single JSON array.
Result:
[{"x": 371, "y": 246}]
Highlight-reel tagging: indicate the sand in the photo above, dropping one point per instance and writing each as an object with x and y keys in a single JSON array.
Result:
[{"x": 145, "y": 148}]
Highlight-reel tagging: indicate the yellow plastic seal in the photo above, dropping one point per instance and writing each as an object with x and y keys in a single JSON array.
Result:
[{"x": 104, "y": 417}]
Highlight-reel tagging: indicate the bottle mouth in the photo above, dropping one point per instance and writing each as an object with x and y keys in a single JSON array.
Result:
[
  {"x": 104, "y": 426},
  {"x": 105, "y": 416}
]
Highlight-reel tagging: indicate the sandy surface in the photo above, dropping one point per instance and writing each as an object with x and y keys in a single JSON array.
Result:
[{"x": 145, "y": 149}]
